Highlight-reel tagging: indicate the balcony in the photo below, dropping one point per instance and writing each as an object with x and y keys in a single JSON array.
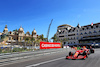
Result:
[
  {"x": 92, "y": 34},
  {"x": 12, "y": 41}
]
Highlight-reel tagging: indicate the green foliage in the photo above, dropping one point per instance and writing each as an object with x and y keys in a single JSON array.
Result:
[
  {"x": 54, "y": 38},
  {"x": 3, "y": 36},
  {"x": 15, "y": 30},
  {"x": 19, "y": 49},
  {"x": 32, "y": 39},
  {"x": 16, "y": 49},
  {"x": 65, "y": 39},
  {"x": 45, "y": 39},
  {"x": 42, "y": 37},
  {"x": 26, "y": 39}
]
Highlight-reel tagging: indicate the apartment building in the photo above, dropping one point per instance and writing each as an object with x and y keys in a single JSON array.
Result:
[{"x": 79, "y": 35}]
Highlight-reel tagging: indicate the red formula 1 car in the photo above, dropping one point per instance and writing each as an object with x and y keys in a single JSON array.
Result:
[
  {"x": 87, "y": 51},
  {"x": 79, "y": 54},
  {"x": 91, "y": 50}
]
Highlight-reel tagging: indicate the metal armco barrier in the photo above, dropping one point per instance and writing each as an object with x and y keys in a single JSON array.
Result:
[{"x": 17, "y": 56}]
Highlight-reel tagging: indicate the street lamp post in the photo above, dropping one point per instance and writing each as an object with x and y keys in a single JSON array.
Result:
[{"x": 49, "y": 30}]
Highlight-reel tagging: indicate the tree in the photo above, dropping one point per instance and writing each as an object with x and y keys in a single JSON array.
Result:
[
  {"x": 63, "y": 40},
  {"x": 3, "y": 36},
  {"x": 37, "y": 42},
  {"x": 54, "y": 38},
  {"x": 45, "y": 39},
  {"x": 15, "y": 30},
  {"x": 26, "y": 40},
  {"x": 42, "y": 37},
  {"x": 32, "y": 40}
]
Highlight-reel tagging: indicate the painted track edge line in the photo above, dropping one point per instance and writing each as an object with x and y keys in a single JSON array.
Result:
[{"x": 37, "y": 64}]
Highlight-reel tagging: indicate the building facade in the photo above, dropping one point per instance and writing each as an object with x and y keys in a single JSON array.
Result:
[
  {"x": 80, "y": 35},
  {"x": 17, "y": 37}
]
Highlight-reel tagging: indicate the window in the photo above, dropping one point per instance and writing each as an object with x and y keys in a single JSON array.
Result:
[
  {"x": 63, "y": 31},
  {"x": 77, "y": 33},
  {"x": 59, "y": 32},
  {"x": 97, "y": 26},
  {"x": 61, "y": 36},
  {"x": 81, "y": 34},
  {"x": 90, "y": 32},
  {"x": 85, "y": 33},
  {"x": 87, "y": 28},
  {"x": 71, "y": 38},
  {"x": 9, "y": 38},
  {"x": 94, "y": 31},
  {"x": 71, "y": 35},
  {"x": 64, "y": 42},
  {"x": 82, "y": 28},
  {"x": 91, "y": 27},
  {"x": 20, "y": 38},
  {"x": 94, "y": 27},
  {"x": 69, "y": 31}
]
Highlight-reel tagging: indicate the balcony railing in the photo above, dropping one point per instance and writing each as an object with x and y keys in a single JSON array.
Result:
[
  {"x": 12, "y": 40},
  {"x": 92, "y": 34}
]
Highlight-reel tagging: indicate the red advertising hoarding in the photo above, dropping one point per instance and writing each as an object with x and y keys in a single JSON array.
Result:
[{"x": 49, "y": 45}]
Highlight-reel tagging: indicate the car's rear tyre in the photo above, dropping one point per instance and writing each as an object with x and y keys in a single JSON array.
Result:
[
  {"x": 70, "y": 53},
  {"x": 84, "y": 53},
  {"x": 83, "y": 59},
  {"x": 91, "y": 50},
  {"x": 66, "y": 57},
  {"x": 86, "y": 56}
]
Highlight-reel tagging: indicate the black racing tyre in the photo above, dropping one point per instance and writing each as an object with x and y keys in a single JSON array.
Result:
[
  {"x": 66, "y": 57},
  {"x": 84, "y": 53},
  {"x": 91, "y": 51},
  {"x": 86, "y": 56},
  {"x": 70, "y": 53},
  {"x": 83, "y": 59}
]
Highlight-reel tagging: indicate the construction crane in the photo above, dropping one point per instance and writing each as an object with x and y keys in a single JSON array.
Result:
[{"x": 49, "y": 30}]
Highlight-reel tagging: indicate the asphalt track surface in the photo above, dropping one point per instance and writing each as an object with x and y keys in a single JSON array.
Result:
[{"x": 58, "y": 60}]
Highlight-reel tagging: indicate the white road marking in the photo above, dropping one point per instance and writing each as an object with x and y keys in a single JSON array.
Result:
[
  {"x": 46, "y": 53},
  {"x": 45, "y": 62}
]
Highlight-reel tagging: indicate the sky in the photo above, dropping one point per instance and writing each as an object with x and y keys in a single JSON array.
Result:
[{"x": 37, "y": 14}]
